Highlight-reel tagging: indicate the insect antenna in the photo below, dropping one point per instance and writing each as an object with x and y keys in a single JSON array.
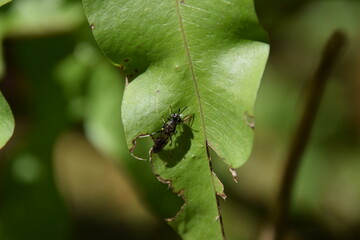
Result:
[{"x": 182, "y": 110}]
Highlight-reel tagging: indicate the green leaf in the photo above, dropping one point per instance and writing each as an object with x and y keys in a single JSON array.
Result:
[
  {"x": 207, "y": 55},
  {"x": 3, "y": 2},
  {"x": 6, "y": 121}
]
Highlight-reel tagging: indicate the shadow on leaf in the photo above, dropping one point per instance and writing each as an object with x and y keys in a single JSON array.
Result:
[{"x": 180, "y": 147}]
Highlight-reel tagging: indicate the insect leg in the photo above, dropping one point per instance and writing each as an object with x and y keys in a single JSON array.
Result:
[
  {"x": 152, "y": 134},
  {"x": 183, "y": 110},
  {"x": 189, "y": 120},
  {"x": 132, "y": 149},
  {"x": 186, "y": 119},
  {"x": 170, "y": 141}
]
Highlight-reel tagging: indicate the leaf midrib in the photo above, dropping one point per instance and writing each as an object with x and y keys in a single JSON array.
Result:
[
  {"x": 193, "y": 76},
  {"x": 191, "y": 66}
]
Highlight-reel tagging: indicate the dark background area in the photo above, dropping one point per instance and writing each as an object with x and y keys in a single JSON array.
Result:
[{"x": 66, "y": 173}]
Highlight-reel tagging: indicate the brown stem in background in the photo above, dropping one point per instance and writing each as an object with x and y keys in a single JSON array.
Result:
[{"x": 302, "y": 134}]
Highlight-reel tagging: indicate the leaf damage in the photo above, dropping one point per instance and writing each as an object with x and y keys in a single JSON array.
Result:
[
  {"x": 249, "y": 119},
  {"x": 234, "y": 174}
]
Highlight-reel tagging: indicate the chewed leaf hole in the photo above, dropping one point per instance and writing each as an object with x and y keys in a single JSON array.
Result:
[
  {"x": 219, "y": 166},
  {"x": 141, "y": 147}
]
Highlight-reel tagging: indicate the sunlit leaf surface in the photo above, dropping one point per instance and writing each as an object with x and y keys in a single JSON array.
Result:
[
  {"x": 6, "y": 121},
  {"x": 205, "y": 55}
]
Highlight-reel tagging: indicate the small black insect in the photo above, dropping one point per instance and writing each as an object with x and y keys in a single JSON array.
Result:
[{"x": 167, "y": 131}]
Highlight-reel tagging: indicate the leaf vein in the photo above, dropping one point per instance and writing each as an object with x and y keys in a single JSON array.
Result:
[
  {"x": 195, "y": 80},
  {"x": 191, "y": 65}
]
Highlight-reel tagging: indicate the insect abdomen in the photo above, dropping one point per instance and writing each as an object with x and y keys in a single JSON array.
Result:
[{"x": 160, "y": 142}]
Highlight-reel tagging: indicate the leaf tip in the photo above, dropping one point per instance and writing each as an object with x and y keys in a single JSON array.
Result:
[
  {"x": 249, "y": 119},
  {"x": 234, "y": 174},
  {"x": 169, "y": 219},
  {"x": 222, "y": 195}
]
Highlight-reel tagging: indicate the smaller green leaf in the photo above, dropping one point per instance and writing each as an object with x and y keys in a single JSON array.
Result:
[
  {"x": 6, "y": 121},
  {"x": 3, "y": 2}
]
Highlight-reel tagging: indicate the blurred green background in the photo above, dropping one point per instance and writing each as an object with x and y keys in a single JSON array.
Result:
[{"x": 66, "y": 172}]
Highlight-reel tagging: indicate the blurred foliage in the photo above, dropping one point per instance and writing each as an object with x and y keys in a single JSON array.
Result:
[{"x": 66, "y": 172}]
